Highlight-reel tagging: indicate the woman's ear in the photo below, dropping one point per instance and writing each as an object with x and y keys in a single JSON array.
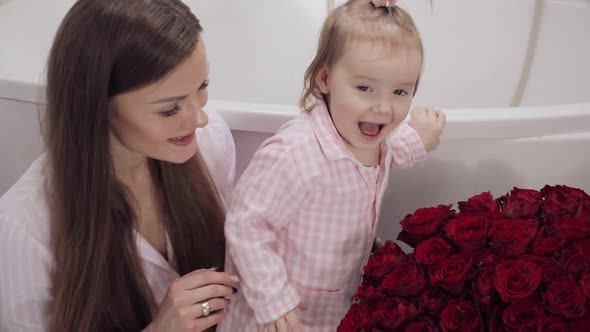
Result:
[{"x": 321, "y": 80}]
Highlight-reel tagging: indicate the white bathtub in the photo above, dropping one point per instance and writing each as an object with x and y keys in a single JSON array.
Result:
[{"x": 482, "y": 149}]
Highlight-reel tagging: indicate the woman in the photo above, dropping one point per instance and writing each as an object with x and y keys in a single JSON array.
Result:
[{"x": 119, "y": 227}]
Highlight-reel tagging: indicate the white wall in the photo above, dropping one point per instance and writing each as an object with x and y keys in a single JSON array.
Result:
[
  {"x": 561, "y": 70},
  {"x": 475, "y": 49},
  {"x": 20, "y": 139},
  {"x": 259, "y": 50}
]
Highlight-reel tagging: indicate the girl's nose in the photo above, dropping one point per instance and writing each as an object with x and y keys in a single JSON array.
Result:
[{"x": 381, "y": 109}]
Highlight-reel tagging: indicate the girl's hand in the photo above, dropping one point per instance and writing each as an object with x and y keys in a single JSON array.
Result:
[
  {"x": 429, "y": 124},
  {"x": 288, "y": 323},
  {"x": 194, "y": 302}
]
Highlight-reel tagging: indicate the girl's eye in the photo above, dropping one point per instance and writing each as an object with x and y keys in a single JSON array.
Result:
[
  {"x": 171, "y": 112},
  {"x": 400, "y": 92},
  {"x": 363, "y": 88},
  {"x": 204, "y": 85}
]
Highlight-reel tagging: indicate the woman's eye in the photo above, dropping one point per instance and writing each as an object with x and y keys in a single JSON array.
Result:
[
  {"x": 171, "y": 112},
  {"x": 204, "y": 85},
  {"x": 363, "y": 88},
  {"x": 400, "y": 92}
]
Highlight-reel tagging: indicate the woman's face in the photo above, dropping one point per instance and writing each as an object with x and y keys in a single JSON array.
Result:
[{"x": 159, "y": 120}]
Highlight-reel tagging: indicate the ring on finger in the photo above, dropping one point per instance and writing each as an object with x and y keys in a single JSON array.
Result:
[{"x": 206, "y": 308}]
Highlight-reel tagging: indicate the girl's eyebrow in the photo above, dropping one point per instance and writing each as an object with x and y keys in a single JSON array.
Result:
[{"x": 362, "y": 77}]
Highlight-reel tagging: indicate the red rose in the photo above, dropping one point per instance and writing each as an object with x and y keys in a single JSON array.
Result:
[
  {"x": 573, "y": 261},
  {"x": 565, "y": 299},
  {"x": 393, "y": 314},
  {"x": 461, "y": 316},
  {"x": 382, "y": 261},
  {"x": 495, "y": 322},
  {"x": 481, "y": 258},
  {"x": 368, "y": 290},
  {"x": 524, "y": 315},
  {"x": 432, "y": 251},
  {"x": 423, "y": 324},
  {"x": 450, "y": 274},
  {"x": 546, "y": 245},
  {"x": 479, "y": 204},
  {"x": 571, "y": 228},
  {"x": 522, "y": 203},
  {"x": 552, "y": 272},
  {"x": 583, "y": 213},
  {"x": 539, "y": 260},
  {"x": 433, "y": 300},
  {"x": 511, "y": 238},
  {"x": 468, "y": 232},
  {"x": 584, "y": 249},
  {"x": 406, "y": 279},
  {"x": 580, "y": 325},
  {"x": 390, "y": 248},
  {"x": 357, "y": 318},
  {"x": 561, "y": 200},
  {"x": 585, "y": 284},
  {"x": 553, "y": 324},
  {"x": 564, "y": 191},
  {"x": 424, "y": 223},
  {"x": 516, "y": 279},
  {"x": 482, "y": 288}
]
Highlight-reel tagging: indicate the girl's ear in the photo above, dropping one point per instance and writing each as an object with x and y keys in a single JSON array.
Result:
[{"x": 321, "y": 80}]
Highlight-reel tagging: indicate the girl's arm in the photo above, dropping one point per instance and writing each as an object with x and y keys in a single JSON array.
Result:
[
  {"x": 411, "y": 141},
  {"x": 406, "y": 147},
  {"x": 267, "y": 196}
]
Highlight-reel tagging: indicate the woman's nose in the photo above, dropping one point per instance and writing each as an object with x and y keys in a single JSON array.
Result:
[
  {"x": 201, "y": 118},
  {"x": 196, "y": 115}
]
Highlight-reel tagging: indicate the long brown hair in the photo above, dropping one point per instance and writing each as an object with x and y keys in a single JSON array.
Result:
[
  {"x": 358, "y": 20},
  {"x": 104, "y": 48}
]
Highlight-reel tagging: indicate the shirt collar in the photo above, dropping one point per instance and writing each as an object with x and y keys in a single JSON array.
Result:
[
  {"x": 330, "y": 140},
  {"x": 149, "y": 253},
  {"x": 328, "y": 137}
]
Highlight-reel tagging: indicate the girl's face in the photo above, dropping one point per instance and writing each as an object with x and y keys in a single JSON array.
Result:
[
  {"x": 370, "y": 91},
  {"x": 159, "y": 120}
]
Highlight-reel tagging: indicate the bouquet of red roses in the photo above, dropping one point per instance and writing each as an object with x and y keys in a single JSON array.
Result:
[{"x": 520, "y": 262}]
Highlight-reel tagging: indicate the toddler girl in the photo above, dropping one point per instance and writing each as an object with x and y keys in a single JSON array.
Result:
[{"x": 304, "y": 214}]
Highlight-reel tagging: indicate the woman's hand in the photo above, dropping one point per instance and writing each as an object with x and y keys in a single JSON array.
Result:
[{"x": 194, "y": 302}]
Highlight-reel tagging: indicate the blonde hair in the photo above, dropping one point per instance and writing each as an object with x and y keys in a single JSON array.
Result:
[{"x": 358, "y": 20}]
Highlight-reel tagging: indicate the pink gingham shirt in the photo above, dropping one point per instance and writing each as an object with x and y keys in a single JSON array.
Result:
[
  {"x": 303, "y": 220},
  {"x": 25, "y": 256}
]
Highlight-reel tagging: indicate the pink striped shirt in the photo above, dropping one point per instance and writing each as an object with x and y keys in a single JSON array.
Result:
[
  {"x": 25, "y": 256},
  {"x": 302, "y": 222}
]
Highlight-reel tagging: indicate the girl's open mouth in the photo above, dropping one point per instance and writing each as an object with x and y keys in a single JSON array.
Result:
[{"x": 370, "y": 130}]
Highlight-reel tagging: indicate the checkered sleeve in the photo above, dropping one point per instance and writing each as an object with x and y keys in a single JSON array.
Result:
[
  {"x": 407, "y": 147},
  {"x": 266, "y": 197}
]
